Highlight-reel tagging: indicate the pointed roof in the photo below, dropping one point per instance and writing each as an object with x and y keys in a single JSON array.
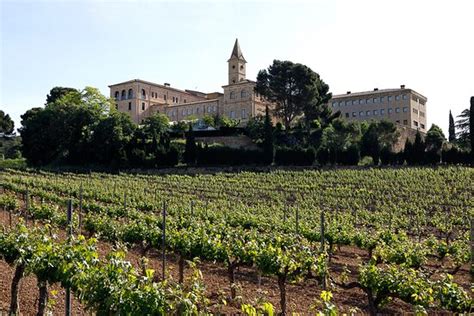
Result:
[{"x": 236, "y": 52}]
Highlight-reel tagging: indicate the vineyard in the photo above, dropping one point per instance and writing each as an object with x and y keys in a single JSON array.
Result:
[{"x": 353, "y": 241}]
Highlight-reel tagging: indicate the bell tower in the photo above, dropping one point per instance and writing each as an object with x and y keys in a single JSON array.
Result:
[{"x": 236, "y": 64}]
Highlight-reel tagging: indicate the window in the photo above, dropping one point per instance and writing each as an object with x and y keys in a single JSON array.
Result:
[
  {"x": 232, "y": 114},
  {"x": 376, "y": 112},
  {"x": 164, "y": 97},
  {"x": 354, "y": 114},
  {"x": 405, "y": 122},
  {"x": 243, "y": 94},
  {"x": 415, "y": 111},
  {"x": 368, "y": 101},
  {"x": 334, "y": 104},
  {"x": 348, "y": 103},
  {"x": 367, "y": 113},
  {"x": 173, "y": 99},
  {"x": 389, "y": 110},
  {"x": 375, "y": 100},
  {"x": 130, "y": 93},
  {"x": 397, "y": 121},
  {"x": 361, "y": 113},
  {"x": 123, "y": 94},
  {"x": 405, "y": 97},
  {"x": 405, "y": 109},
  {"x": 389, "y": 98},
  {"x": 190, "y": 111},
  {"x": 232, "y": 95},
  {"x": 197, "y": 111},
  {"x": 243, "y": 114},
  {"x": 143, "y": 94},
  {"x": 362, "y": 101},
  {"x": 340, "y": 103},
  {"x": 415, "y": 123},
  {"x": 354, "y": 102},
  {"x": 422, "y": 114},
  {"x": 422, "y": 126},
  {"x": 143, "y": 106},
  {"x": 129, "y": 106},
  {"x": 347, "y": 114},
  {"x": 184, "y": 100},
  {"x": 382, "y": 111},
  {"x": 397, "y": 97},
  {"x": 382, "y": 99},
  {"x": 397, "y": 110},
  {"x": 184, "y": 112},
  {"x": 117, "y": 94}
]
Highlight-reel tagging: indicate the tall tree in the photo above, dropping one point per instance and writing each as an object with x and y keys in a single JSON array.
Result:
[
  {"x": 190, "y": 150},
  {"x": 452, "y": 130},
  {"x": 57, "y": 93},
  {"x": 463, "y": 126},
  {"x": 295, "y": 90},
  {"x": 435, "y": 138},
  {"x": 269, "y": 139},
  {"x": 471, "y": 128},
  {"x": 6, "y": 123},
  {"x": 419, "y": 149}
]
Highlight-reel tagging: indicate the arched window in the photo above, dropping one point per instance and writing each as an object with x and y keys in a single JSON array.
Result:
[
  {"x": 123, "y": 94},
  {"x": 232, "y": 95},
  {"x": 130, "y": 93},
  {"x": 117, "y": 95},
  {"x": 143, "y": 94},
  {"x": 243, "y": 94}
]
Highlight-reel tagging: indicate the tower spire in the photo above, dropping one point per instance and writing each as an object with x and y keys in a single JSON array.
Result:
[{"x": 236, "y": 52}]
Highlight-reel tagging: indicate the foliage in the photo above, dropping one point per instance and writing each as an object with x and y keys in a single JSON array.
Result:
[
  {"x": 190, "y": 152},
  {"x": 295, "y": 89},
  {"x": 451, "y": 130},
  {"x": 6, "y": 123},
  {"x": 268, "y": 141}
]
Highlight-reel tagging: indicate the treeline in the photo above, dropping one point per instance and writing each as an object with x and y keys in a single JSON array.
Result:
[{"x": 82, "y": 128}]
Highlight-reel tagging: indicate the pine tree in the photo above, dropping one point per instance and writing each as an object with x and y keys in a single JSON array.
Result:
[
  {"x": 419, "y": 149},
  {"x": 452, "y": 130},
  {"x": 190, "y": 151},
  {"x": 268, "y": 141}
]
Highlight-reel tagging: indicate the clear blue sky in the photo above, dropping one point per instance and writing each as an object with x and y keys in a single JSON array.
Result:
[{"x": 354, "y": 45}]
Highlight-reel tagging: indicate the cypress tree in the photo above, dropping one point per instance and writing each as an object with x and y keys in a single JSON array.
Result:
[
  {"x": 471, "y": 128},
  {"x": 419, "y": 149},
  {"x": 451, "y": 131},
  {"x": 190, "y": 151},
  {"x": 268, "y": 141}
]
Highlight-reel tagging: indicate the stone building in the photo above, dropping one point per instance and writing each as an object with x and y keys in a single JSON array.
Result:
[
  {"x": 404, "y": 107},
  {"x": 141, "y": 99}
]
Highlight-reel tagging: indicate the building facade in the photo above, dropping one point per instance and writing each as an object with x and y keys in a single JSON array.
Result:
[
  {"x": 141, "y": 99},
  {"x": 404, "y": 107}
]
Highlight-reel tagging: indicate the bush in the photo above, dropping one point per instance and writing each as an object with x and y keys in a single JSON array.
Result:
[
  {"x": 221, "y": 155},
  {"x": 455, "y": 156},
  {"x": 388, "y": 157},
  {"x": 350, "y": 156},
  {"x": 169, "y": 158},
  {"x": 295, "y": 156},
  {"x": 322, "y": 156}
]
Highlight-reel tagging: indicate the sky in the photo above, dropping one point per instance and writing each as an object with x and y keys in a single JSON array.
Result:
[{"x": 360, "y": 45}]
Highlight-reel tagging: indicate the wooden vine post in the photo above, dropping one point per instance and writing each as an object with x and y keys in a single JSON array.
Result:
[
  {"x": 27, "y": 205},
  {"x": 322, "y": 245},
  {"x": 164, "y": 241},
  {"x": 69, "y": 231},
  {"x": 80, "y": 208}
]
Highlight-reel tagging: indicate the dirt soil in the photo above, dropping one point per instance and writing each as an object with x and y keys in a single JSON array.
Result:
[{"x": 300, "y": 296}]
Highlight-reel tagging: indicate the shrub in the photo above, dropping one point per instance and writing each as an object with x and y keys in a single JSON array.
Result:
[
  {"x": 221, "y": 155},
  {"x": 295, "y": 156}
]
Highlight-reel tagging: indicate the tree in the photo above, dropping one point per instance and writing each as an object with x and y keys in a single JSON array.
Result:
[
  {"x": 295, "y": 90},
  {"x": 452, "y": 130},
  {"x": 110, "y": 140},
  {"x": 463, "y": 126},
  {"x": 269, "y": 139},
  {"x": 6, "y": 123},
  {"x": 57, "y": 93},
  {"x": 435, "y": 138},
  {"x": 434, "y": 144},
  {"x": 471, "y": 128},
  {"x": 338, "y": 136},
  {"x": 419, "y": 149},
  {"x": 190, "y": 150},
  {"x": 377, "y": 136}
]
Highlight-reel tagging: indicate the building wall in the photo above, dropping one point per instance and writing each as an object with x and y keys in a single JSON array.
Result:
[{"x": 404, "y": 107}]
